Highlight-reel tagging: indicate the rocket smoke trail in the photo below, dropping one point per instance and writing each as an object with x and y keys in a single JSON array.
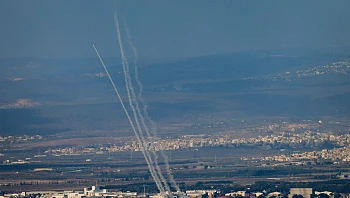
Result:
[
  {"x": 153, "y": 135},
  {"x": 160, "y": 188},
  {"x": 136, "y": 112},
  {"x": 145, "y": 113}
]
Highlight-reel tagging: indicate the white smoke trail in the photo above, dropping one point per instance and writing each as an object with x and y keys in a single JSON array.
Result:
[
  {"x": 132, "y": 99},
  {"x": 145, "y": 113},
  {"x": 160, "y": 188},
  {"x": 154, "y": 133}
]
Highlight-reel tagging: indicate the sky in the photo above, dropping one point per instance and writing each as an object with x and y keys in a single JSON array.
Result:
[{"x": 169, "y": 28}]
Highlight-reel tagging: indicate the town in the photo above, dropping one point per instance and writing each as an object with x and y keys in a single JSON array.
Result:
[
  {"x": 287, "y": 138},
  {"x": 342, "y": 67},
  {"x": 96, "y": 191}
]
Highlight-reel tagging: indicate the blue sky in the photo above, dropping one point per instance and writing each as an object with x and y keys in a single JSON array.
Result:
[{"x": 164, "y": 29}]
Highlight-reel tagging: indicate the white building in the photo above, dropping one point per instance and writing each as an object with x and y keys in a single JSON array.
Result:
[{"x": 305, "y": 192}]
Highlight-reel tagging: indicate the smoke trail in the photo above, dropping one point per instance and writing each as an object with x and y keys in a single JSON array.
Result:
[
  {"x": 132, "y": 99},
  {"x": 153, "y": 135},
  {"x": 154, "y": 132},
  {"x": 145, "y": 113},
  {"x": 129, "y": 118}
]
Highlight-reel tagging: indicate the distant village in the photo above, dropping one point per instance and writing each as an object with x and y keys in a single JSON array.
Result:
[
  {"x": 285, "y": 137},
  {"x": 281, "y": 141},
  {"x": 342, "y": 67}
]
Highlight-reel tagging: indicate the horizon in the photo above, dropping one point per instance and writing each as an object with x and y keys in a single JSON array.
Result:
[{"x": 335, "y": 49}]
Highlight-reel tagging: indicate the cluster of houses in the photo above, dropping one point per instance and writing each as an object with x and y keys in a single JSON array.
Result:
[{"x": 97, "y": 192}]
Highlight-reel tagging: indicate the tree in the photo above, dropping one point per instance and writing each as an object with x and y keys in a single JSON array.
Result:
[
  {"x": 337, "y": 195},
  {"x": 297, "y": 196},
  {"x": 322, "y": 195}
]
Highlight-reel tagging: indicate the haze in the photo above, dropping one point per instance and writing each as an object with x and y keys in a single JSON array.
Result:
[{"x": 166, "y": 29}]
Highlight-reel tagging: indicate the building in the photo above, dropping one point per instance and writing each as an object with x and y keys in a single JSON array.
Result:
[{"x": 305, "y": 192}]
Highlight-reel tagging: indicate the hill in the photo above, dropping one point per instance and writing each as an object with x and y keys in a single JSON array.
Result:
[{"x": 44, "y": 96}]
